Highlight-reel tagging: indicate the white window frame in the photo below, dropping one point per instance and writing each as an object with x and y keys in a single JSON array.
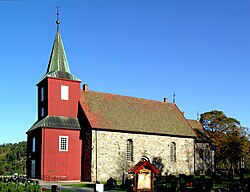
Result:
[
  {"x": 64, "y": 92},
  {"x": 33, "y": 144},
  {"x": 172, "y": 152},
  {"x": 129, "y": 152},
  {"x": 63, "y": 143}
]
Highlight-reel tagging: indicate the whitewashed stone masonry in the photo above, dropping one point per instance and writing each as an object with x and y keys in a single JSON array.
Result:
[{"x": 111, "y": 153}]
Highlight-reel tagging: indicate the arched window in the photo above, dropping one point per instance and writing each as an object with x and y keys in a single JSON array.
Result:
[
  {"x": 173, "y": 152},
  {"x": 129, "y": 155}
]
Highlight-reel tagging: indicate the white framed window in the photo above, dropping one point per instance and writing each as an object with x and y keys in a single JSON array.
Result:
[
  {"x": 64, "y": 92},
  {"x": 129, "y": 154},
  {"x": 33, "y": 144},
  {"x": 42, "y": 94},
  {"x": 173, "y": 152},
  {"x": 63, "y": 143},
  {"x": 42, "y": 111}
]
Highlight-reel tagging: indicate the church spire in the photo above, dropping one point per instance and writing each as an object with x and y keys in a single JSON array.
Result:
[
  {"x": 58, "y": 66},
  {"x": 58, "y": 60}
]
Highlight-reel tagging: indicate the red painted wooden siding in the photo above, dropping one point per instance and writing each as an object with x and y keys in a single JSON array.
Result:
[
  {"x": 58, "y": 107},
  {"x": 61, "y": 165}
]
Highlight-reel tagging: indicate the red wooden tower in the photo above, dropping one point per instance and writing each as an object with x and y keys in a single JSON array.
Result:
[{"x": 53, "y": 141}]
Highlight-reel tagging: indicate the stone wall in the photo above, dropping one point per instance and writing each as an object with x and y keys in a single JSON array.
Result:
[
  {"x": 111, "y": 153},
  {"x": 204, "y": 157}
]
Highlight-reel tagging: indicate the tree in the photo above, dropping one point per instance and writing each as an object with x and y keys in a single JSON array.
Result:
[
  {"x": 247, "y": 158},
  {"x": 229, "y": 138},
  {"x": 13, "y": 158}
]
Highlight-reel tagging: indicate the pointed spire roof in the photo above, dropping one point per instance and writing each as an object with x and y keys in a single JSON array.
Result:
[
  {"x": 58, "y": 66},
  {"x": 58, "y": 60}
]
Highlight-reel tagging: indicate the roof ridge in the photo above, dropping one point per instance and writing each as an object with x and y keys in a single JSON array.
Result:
[
  {"x": 185, "y": 118},
  {"x": 115, "y": 112},
  {"x": 132, "y": 97}
]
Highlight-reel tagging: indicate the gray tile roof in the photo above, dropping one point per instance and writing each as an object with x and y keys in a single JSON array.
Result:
[{"x": 56, "y": 122}]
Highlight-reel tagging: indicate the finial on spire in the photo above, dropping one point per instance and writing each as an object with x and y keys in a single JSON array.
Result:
[
  {"x": 57, "y": 19},
  {"x": 198, "y": 115},
  {"x": 174, "y": 97}
]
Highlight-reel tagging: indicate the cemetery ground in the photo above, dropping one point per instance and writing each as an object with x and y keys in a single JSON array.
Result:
[{"x": 220, "y": 182}]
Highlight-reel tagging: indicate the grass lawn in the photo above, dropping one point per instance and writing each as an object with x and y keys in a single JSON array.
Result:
[
  {"x": 92, "y": 186},
  {"x": 81, "y": 185}
]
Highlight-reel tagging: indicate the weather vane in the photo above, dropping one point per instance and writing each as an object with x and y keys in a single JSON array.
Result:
[
  {"x": 198, "y": 115},
  {"x": 57, "y": 19},
  {"x": 174, "y": 97}
]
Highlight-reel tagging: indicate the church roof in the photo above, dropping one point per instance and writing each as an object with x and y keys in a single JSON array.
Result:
[
  {"x": 122, "y": 113},
  {"x": 58, "y": 64},
  {"x": 202, "y": 135},
  {"x": 57, "y": 122}
]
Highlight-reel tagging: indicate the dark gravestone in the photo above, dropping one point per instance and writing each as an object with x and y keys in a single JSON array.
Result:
[
  {"x": 174, "y": 185},
  {"x": 198, "y": 185},
  {"x": 111, "y": 183},
  {"x": 182, "y": 183},
  {"x": 209, "y": 184},
  {"x": 183, "y": 187},
  {"x": 209, "y": 172},
  {"x": 217, "y": 179},
  {"x": 54, "y": 188},
  {"x": 202, "y": 177},
  {"x": 190, "y": 180},
  {"x": 182, "y": 176},
  {"x": 168, "y": 179},
  {"x": 161, "y": 188}
]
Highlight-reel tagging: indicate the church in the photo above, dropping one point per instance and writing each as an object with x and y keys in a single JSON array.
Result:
[{"x": 85, "y": 135}]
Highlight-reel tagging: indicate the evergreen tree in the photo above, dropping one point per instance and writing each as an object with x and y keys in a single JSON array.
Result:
[{"x": 13, "y": 158}]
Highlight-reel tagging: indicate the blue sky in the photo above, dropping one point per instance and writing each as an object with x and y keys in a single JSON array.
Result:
[{"x": 143, "y": 48}]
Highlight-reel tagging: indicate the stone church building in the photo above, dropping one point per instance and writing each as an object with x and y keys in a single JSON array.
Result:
[{"x": 88, "y": 135}]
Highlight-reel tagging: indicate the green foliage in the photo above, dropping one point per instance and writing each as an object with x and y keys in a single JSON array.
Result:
[
  {"x": 217, "y": 121},
  {"x": 13, "y": 158},
  {"x": 21, "y": 187},
  {"x": 228, "y": 136}
]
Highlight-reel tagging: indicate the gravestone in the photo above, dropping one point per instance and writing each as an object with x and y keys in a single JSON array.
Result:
[
  {"x": 54, "y": 188},
  {"x": 209, "y": 184}
]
